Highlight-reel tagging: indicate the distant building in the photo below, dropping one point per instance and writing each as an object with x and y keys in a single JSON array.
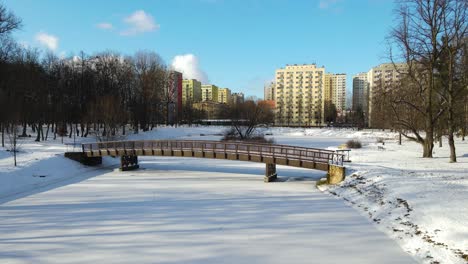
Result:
[
  {"x": 381, "y": 78},
  {"x": 299, "y": 95},
  {"x": 269, "y": 92},
  {"x": 224, "y": 96},
  {"x": 335, "y": 90},
  {"x": 209, "y": 93},
  {"x": 361, "y": 94},
  {"x": 173, "y": 96},
  {"x": 237, "y": 98},
  {"x": 211, "y": 109},
  {"x": 191, "y": 91}
]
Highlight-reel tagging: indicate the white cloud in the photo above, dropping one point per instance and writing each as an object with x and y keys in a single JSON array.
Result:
[
  {"x": 139, "y": 22},
  {"x": 324, "y": 4},
  {"x": 105, "y": 26},
  {"x": 47, "y": 40},
  {"x": 189, "y": 66}
]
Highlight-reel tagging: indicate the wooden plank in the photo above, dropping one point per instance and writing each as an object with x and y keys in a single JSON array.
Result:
[
  {"x": 244, "y": 157},
  {"x": 209, "y": 154},
  {"x": 294, "y": 163},
  {"x": 219, "y": 155},
  {"x": 232, "y": 156},
  {"x": 322, "y": 166},
  {"x": 188, "y": 153},
  {"x": 281, "y": 161},
  {"x": 256, "y": 158},
  {"x": 308, "y": 164}
]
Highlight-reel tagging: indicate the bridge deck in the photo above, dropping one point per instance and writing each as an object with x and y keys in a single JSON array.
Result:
[{"x": 310, "y": 158}]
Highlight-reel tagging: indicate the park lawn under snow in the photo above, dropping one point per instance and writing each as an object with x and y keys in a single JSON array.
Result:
[{"x": 420, "y": 203}]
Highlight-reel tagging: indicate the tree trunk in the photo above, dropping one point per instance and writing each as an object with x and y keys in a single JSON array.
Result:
[
  {"x": 54, "y": 128},
  {"x": 428, "y": 146},
  {"x": 453, "y": 154},
  {"x": 399, "y": 139},
  {"x": 87, "y": 130},
  {"x": 24, "y": 130},
  {"x": 3, "y": 135},
  {"x": 38, "y": 137},
  {"x": 47, "y": 131},
  {"x": 71, "y": 130}
]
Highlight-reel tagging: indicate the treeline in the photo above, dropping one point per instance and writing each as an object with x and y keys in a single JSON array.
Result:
[
  {"x": 431, "y": 99},
  {"x": 100, "y": 93}
]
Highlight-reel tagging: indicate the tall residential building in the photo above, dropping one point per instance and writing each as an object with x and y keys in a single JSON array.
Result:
[
  {"x": 209, "y": 93},
  {"x": 269, "y": 92},
  {"x": 224, "y": 96},
  {"x": 335, "y": 90},
  {"x": 361, "y": 93},
  {"x": 382, "y": 78},
  {"x": 237, "y": 98},
  {"x": 299, "y": 95},
  {"x": 191, "y": 91},
  {"x": 173, "y": 96}
]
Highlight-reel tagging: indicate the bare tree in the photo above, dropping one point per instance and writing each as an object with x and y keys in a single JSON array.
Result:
[
  {"x": 450, "y": 69},
  {"x": 247, "y": 117},
  {"x": 418, "y": 38},
  {"x": 8, "y": 21}
]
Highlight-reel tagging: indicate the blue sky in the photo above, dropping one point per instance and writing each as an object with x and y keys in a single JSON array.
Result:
[{"x": 232, "y": 43}]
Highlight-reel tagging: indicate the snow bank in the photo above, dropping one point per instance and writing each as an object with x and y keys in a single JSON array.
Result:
[{"x": 421, "y": 203}]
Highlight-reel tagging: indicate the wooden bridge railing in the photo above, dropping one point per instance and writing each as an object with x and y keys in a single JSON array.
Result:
[{"x": 264, "y": 150}]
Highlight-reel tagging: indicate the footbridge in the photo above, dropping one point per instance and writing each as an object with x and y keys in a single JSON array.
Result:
[{"x": 270, "y": 154}]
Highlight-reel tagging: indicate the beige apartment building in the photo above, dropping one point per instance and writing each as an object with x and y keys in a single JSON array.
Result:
[
  {"x": 191, "y": 91},
  {"x": 299, "y": 95},
  {"x": 224, "y": 96},
  {"x": 209, "y": 93},
  {"x": 335, "y": 90},
  {"x": 381, "y": 78}
]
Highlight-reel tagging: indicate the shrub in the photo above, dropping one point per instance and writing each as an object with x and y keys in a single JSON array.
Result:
[
  {"x": 381, "y": 140},
  {"x": 354, "y": 144},
  {"x": 232, "y": 135}
]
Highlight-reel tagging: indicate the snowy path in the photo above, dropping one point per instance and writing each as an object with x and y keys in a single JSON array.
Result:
[{"x": 188, "y": 211}]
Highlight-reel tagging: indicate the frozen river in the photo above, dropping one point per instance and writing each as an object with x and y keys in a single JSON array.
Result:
[{"x": 183, "y": 210}]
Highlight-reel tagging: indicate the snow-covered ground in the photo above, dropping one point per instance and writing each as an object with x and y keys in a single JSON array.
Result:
[{"x": 190, "y": 210}]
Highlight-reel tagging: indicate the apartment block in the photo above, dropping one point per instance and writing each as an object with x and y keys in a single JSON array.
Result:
[
  {"x": 361, "y": 94},
  {"x": 269, "y": 92},
  {"x": 237, "y": 98},
  {"x": 299, "y": 95},
  {"x": 173, "y": 95},
  {"x": 335, "y": 90},
  {"x": 224, "y": 96},
  {"x": 209, "y": 93},
  {"x": 382, "y": 78},
  {"x": 191, "y": 91}
]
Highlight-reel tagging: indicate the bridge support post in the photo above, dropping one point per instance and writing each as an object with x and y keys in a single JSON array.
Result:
[
  {"x": 270, "y": 172},
  {"x": 129, "y": 162},
  {"x": 336, "y": 174}
]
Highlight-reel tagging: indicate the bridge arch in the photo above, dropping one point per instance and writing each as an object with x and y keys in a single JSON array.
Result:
[{"x": 270, "y": 154}]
